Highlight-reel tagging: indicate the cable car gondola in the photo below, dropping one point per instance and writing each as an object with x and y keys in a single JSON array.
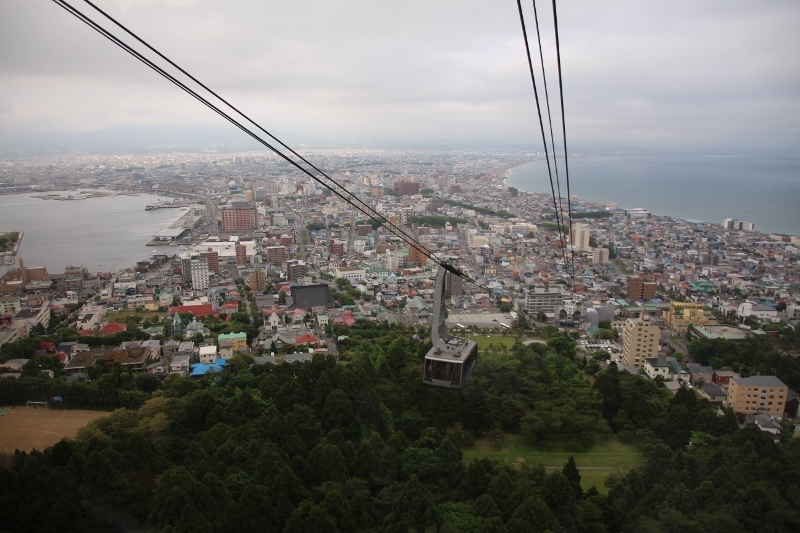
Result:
[{"x": 451, "y": 361}]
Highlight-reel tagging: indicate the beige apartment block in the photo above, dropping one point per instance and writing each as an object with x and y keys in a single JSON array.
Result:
[
  {"x": 763, "y": 395},
  {"x": 640, "y": 340}
]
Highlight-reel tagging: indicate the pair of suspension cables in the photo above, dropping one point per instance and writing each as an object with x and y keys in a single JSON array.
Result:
[
  {"x": 276, "y": 146},
  {"x": 562, "y": 225}
]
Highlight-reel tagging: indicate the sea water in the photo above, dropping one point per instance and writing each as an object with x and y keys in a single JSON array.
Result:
[
  {"x": 100, "y": 234},
  {"x": 763, "y": 190}
]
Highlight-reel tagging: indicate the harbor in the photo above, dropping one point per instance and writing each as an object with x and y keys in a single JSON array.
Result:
[
  {"x": 179, "y": 232},
  {"x": 175, "y": 204}
]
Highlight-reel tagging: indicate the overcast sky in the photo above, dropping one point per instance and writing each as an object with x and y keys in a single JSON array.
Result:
[{"x": 678, "y": 75}]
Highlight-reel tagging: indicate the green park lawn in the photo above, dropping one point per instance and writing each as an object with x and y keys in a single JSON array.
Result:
[
  {"x": 606, "y": 456},
  {"x": 484, "y": 341},
  {"x": 120, "y": 316}
]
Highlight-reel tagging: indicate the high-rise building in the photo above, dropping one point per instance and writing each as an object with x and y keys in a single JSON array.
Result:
[
  {"x": 600, "y": 256},
  {"x": 453, "y": 285},
  {"x": 640, "y": 340},
  {"x": 639, "y": 289},
  {"x": 241, "y": 254},
  {"x": 295, "y": 269},
  {"x": 416, "y": 257},
  {"x": 213, "y": 260},
  {"x": 239, "y": 216},
  {"x": 649, "y": 290},
  {"x": 186, "y": 268},
  {"x": 258, "y": 280},
  {"x": 392, "y": 261},
  {"x": 276, "y": 255},
  {"x": 200, "y": 275},
  {"x": 406, "y": 187},
  {"x": 580, "y": 234}
]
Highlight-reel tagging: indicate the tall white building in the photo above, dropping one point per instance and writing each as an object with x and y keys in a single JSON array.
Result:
[
  {"x": 640, "y": 340},
  {"x": 543, "y": 299},
  {"x": 580, "y": 237},
  {"x": 392, "y": 261},
  {"x": 200, "y": 274}
]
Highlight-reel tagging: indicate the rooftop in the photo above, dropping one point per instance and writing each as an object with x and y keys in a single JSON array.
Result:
[{"x": 759, "y": 381}]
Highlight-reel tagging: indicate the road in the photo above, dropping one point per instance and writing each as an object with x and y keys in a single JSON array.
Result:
[{"x": 212, "y": 213}]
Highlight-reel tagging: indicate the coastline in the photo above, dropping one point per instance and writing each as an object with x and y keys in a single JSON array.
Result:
[
  {"x": 694, "y": 188},
  {"x": 102, "y": 233}
]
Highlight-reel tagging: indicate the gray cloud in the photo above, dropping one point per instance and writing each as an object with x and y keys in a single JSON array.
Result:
[{"x": 685, "y": 75}]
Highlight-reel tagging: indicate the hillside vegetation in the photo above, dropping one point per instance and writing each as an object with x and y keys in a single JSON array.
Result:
[{"x": 365, "y": 446}]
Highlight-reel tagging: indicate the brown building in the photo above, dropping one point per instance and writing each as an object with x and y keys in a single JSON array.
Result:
[
  {"x": 416, "y": 257},
  {"x": 258, "y": 280},
  {"x": 240, "y": 216},
  {"x": 295, "y": 270},
  {"x": 453, "y": 285},
  {"x": 241, "y": 254},
  {"x": 406, "y": 187},
  {"x": 213, "y": 261},
  {"x": 763, "y": 395},
  {"x": 639, "y": 289},
  {"x": 635, "y": 285},
  {"x": 133, "y": 358},
  {"x": 336, "y": 247},
  {"x": 276, "y": 255}
]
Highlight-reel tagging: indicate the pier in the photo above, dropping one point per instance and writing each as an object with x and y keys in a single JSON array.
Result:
[{"x": 178, "y": 229}]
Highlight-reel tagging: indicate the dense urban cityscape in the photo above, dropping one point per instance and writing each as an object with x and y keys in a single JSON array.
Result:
[
  {"x": 265, "y": 266},
  {"x": 252, "y": 217}
]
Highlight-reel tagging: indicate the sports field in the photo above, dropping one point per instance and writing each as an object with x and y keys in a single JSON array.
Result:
[
  {"x": 25, "y": 429},
  {"x": 594, "y": 464}
]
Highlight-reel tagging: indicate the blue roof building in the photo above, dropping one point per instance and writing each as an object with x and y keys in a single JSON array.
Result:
[{"x": 200, "y": 370}]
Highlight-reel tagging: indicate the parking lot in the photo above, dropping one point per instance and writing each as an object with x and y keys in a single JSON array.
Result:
[
  {"x": 473, "y": 317},
  {"x": 606, "y": 346}
]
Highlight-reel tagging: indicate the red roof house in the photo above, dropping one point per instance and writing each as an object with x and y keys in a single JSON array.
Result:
[
  {"x": 112, "y": 328},
  {"x": 196, "y": 310}
]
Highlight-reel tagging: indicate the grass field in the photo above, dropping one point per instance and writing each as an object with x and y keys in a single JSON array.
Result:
[
  {"x": 484, "y": 341},
  {"x": 605, "y": 457},
  {"x": 24, "y": 429},
  {"x": 120, "y": 316}
]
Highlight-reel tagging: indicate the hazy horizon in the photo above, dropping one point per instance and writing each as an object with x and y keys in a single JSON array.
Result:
[{"x": 638, "y": 75}]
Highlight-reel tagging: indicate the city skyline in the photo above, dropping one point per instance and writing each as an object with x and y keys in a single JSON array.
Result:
[{"x": 641, "y": 75}]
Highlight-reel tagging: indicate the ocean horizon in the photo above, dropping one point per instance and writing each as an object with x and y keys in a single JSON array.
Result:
[{"x": 709, "y": 188}]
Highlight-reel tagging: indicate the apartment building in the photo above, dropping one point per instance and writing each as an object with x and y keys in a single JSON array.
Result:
[
  {"x": 764, "y": 395},
  {"x": 542, "y": 299},
  {"x": 200, "y": 274},
  {"x": 276, "y": 255},
  {"x": 239, "y": 216},
  {"x": 258, "y": 280},
  {"x": 212, "y": 258},
  {"x": 640, "y": 340},
  {"x": 580, "y": 237}
]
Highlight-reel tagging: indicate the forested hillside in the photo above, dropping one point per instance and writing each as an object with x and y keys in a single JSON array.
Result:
[{"x": 362, "y": 445}]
